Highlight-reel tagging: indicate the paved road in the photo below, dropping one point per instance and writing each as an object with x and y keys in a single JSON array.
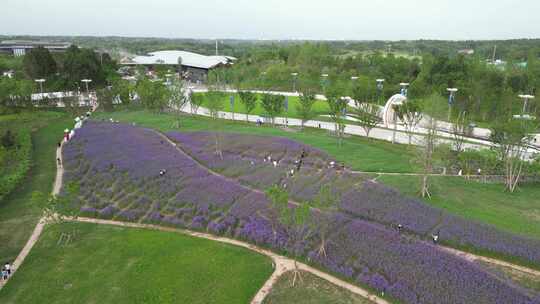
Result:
[{"x": 380, "y": 133}]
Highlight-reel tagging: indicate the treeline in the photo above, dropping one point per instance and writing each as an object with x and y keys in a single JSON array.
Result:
[
  {"x": 60, "y": 71},
  {"x": 486, "y": 91}
]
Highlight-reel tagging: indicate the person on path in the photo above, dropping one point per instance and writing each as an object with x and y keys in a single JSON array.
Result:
[
  {"x": 59, "y": 161},
  {"x": 59, "y": 144},
  {"x": 436, "y": 238},
  {"x": 4, "y": 274},
  {"x": 7, "y": 267},
  {"x": 66, "y": 135}
]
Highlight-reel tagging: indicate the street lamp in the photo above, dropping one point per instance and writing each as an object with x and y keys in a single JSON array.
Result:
[
  {"x": 294, "y": 75},
  {"x": 324, "y": 83},
  {"x": 451, "y": 100},
  {"x": 86, "y": 81},
  {"x": 404, "y": 91},
  {"x": 40, "y": 81},
  {"x": 525, "y": 102},
  {"x": 380, "y": 87}
]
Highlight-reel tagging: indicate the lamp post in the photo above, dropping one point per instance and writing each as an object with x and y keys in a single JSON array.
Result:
[
  {"x": 294, "y": 75},
  {"x": 87, "y": 81},
  {"x": 525, "y": 102},
  {"x": 40, "y": 81},
  {"x": 404, "y": 91},
  {"x": 451, "y": 100},
  {"x": 380, "y": 87},
  {"x": 324, "y": 80}
]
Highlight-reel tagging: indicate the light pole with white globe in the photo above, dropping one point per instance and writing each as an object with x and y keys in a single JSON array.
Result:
[
  {"x": 294, "y": 75},
  {"x": 404, "y": 91},
  {"x": 525, "y": 102},
  {"x": 451, "y": 100},
  {"x": 40, "y": 81}
]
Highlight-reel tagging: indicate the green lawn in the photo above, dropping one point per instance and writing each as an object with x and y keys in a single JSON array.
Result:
[
  {"x": 310, "y": 290},
  {"x": 108, "y": 264},
  {"x": 17, "y": 215},
  {"x": 320, "y": 107},
  {"x": 518, "y": 212}
]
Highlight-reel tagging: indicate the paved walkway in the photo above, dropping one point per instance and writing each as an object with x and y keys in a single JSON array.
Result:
[{"x": 381, "y": 132}]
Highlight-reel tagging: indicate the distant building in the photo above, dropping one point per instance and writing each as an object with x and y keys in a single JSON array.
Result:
[
  {"x": 194, "y": 66},
  {"x": 20, "y": 47},
  {"x": 466, "y": 52}
]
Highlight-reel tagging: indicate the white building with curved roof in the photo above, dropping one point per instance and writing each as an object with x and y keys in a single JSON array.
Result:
[{"x": 196, "y": 65}]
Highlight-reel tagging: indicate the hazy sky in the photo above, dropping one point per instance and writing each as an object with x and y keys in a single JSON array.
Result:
[{"x": 275, "y": 19}]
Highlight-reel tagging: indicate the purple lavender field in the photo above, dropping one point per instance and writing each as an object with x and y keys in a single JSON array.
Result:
[{"x": 118, "y": 167}]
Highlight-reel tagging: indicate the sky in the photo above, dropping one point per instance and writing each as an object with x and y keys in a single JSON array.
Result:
[{"x": 275, "y": 19}]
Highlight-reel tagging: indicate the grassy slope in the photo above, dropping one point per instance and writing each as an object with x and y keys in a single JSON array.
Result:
[
  {"x": 17, "y": 215},
  {"x": 106, "y": 264},
  {"x": 518, "y": 213},
  {"x": 310, "y": 290},
  {"x": 320, "y": 107}
]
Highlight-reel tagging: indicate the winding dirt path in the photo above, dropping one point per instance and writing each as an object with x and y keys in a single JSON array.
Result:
[{"x": 41, "y": 224}]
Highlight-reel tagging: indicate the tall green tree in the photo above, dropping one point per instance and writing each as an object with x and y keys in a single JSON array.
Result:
[
  {"x": 249, "y": 100},
  {"x": 512, "y": 137},
  {"x": 337, "y": 106},
  {"x": 368, "y": 116},
  {"x": 304, "y": 108},
  {"x": 154, "y": 95},
  {"x": 410, "y": 113},
  {"x": 273, "y": 105},
  {"x": 39, "y": 63},
  {"x": 178, "y": 100}
]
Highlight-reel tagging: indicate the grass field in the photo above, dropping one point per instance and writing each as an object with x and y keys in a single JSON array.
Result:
[
  {"x": 107, "y": 264},
  {"x": 320, "y": 107},
  {"x": 17, "y": 215},
  {"x": 518, "y": 212},
  {"x": 310, "y": 290}
]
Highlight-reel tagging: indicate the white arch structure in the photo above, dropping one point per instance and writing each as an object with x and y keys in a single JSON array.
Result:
[{"x": 388, "y": 110}]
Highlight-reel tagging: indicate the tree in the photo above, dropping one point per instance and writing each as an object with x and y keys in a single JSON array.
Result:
[
  {"x": 427, "y": 148},
  {"x": 178, "y": 100},
  {"x": 337, "y": 107},
  {"x": 322, "y": 221},
  {"x": 410, "y": 113},
  {"x": 123, "y": 90},
  {"x": 106, "y": 97},
  {"x": 39, "y": 63},
  {"x": 195, "y": 101},
  {"x": 249, "y": 100},
  {"x": 512, "y": 138},
  {"x": 459, "y": 130},
  {"x": 294, "y": 218},
  {"x": 215, "y": 104},
  {"x": 304, "y": 108},
  {"x": 425, "y": 156},
  {"x": 154, "y": 94},
  {"x": 273, "y": 105},
  {"x": 368, "y": 116}
]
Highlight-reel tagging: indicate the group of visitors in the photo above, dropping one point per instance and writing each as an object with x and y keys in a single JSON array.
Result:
[
  {"x": 69, "y": 134},
  {"x": 6, "y": 271}
]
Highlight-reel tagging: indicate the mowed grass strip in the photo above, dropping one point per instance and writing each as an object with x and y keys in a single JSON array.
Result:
[
  {"x": 320, "y": 107},
  {"x": 310, "y": 289},
  {"x": 108, "y": 264},
  {"x": 18, "y": 215},
  {"x": 518, "y": 212}
]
